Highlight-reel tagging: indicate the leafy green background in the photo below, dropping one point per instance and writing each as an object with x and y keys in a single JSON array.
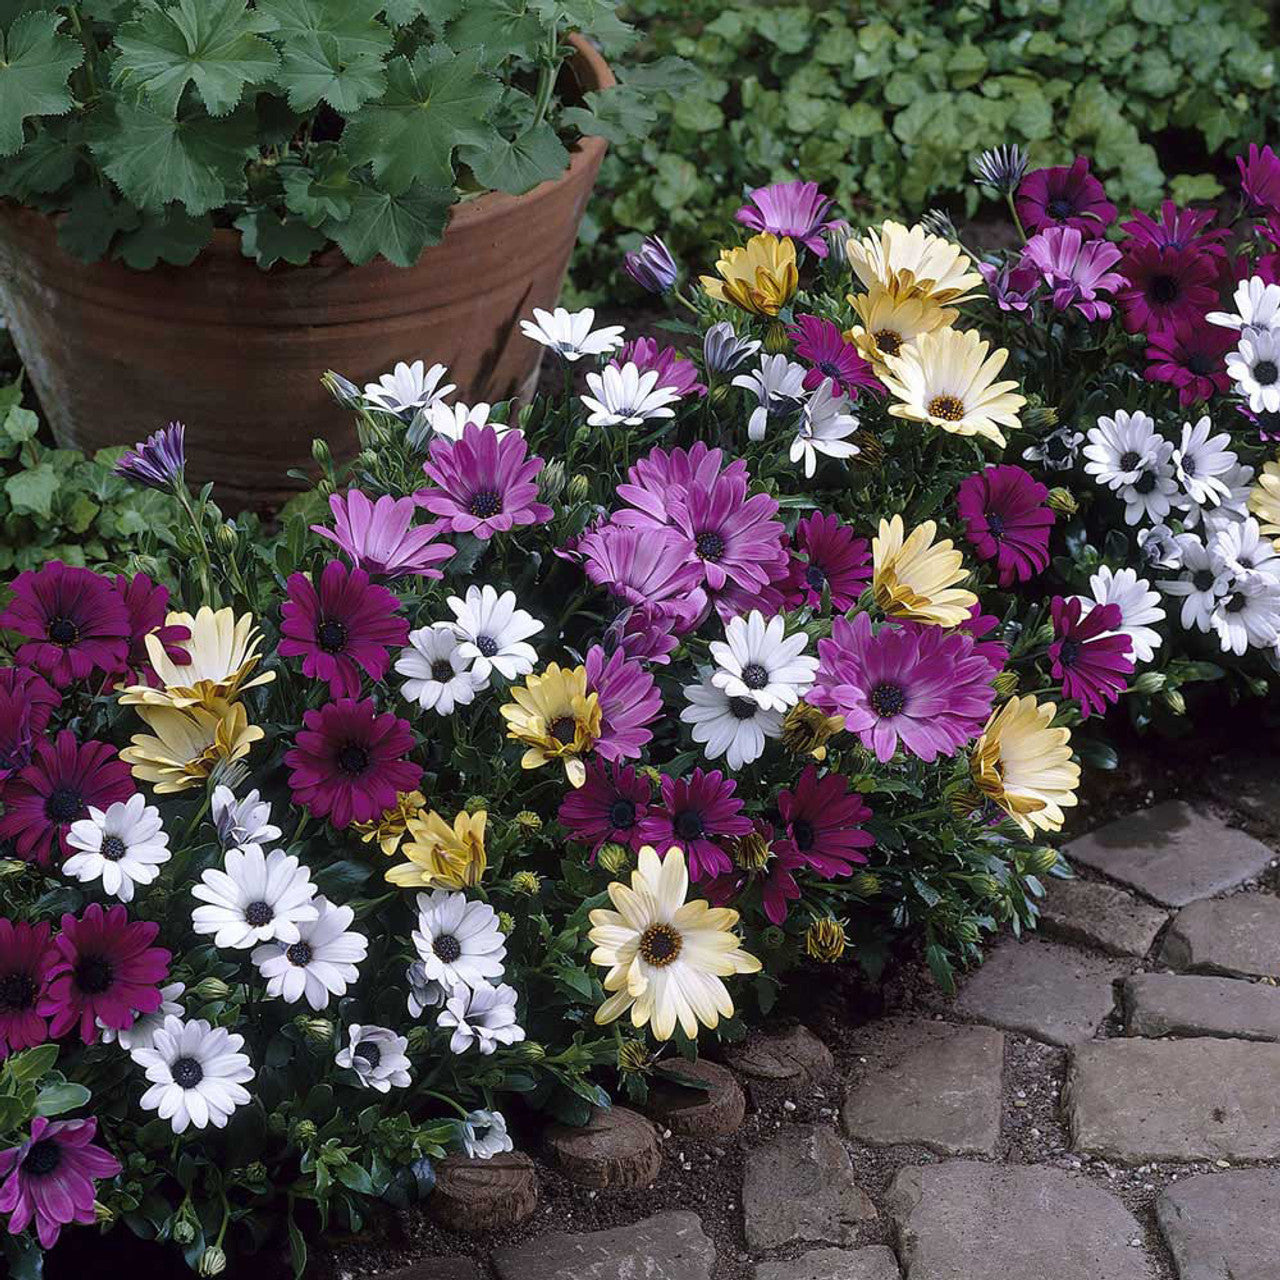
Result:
[{"x": 883, "y": 103}]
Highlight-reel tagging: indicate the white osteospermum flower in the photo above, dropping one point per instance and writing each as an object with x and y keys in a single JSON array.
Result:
[
  {"x": 1239, "y": 547},
  {"x": 825, "y": 425},
  {"x": 255, "y": 897},
  {"x": 1057, "y": 451},
  {"x": 1160, "y": 547},
  {"x": 450, "y": 420},
  {"x": 569, "y": 334},
  {"x": 1233, "y": 508},
  {"x": 625, "y": 397},
  {"x": 424, "y": 993},
  {"x": 1257, "y": 307},
  {"x": 1139, "y": 606},
  {"x": 460, "y": 942},
  {"x": 758, "y": 660},
  {"x": 482, "y": 1017},
  {"x": 1254, "y": 367},
  {"x": 439, "y": 675},
  {"x": 1152, "y": 496},
  {"x": 778, "y": 386},
  {"x": 1122, "y": 448},
  {"x": 197, "y": 1074},
  {"x": 484, "y": 1135},
  {"x": 377, "y": 1055},
  {"x": 735, "y": 728},
  {"x": 493, "y": 633},
  {"x": 1202, "y": 460},
  {"x": 322, "y": 963},
  {"x": 241, "y": 822},
  {"x": 141, "y": 1034},
  {"x": 123, "y": 846},
  {"x": 408, "y": 388},
  {"x": 1201, "y": 584},
  {"x": 1248, "y": 616}
]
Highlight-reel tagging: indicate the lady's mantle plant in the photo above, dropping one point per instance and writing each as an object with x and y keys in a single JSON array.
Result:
[{"x": 300, "y": 122}]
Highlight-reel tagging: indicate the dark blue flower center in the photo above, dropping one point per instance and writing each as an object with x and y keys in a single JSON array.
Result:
[
  {"x": 1163, "y": 289},
  {"x": 485, "y": 503},
  {"x": 447, "y": 948},
  {"x": 353, "y": 758},
  {"x": 743, "y": 708},
  {"x": 63, "y": 805},
  {"x": 331, "y": 636},
  {"x": 1199, "y": 364},
  {"x": 1060, "y": 208},
  {"x": 113, "y": 848},
  {"x": 442, "y": 670},
  {"x": 368, "y": 1051},
  {"x": 1129, "y": 459},
  {"x": 622, "y": 814},
  {"x": 186, "y": 1072},
  {"x": 63, "y": 631},
  {"x": 1145, "y": 483},
  {"x": 887, "y": 699},
  {"x": 258, "y": 914},
  {"x": 754, "y": 676},
  {"x": 1236, "y": 603},
  {"x": 42, "y": 1158},
  {"x": 995, "y": 524},
  {"x": 487, "y": 645},
  {"x": 688, "y": 825},
  {"x": 1265, "y": 373},
  {"x": 1202, "y": 579},
  {"x": 1069, "y": 654},
  {"x": 564, "y": 730},
  {"x": 93, "y": 974},
  {"x": 17, "y": 992},
  {"x": 816, "y": 576},
  {"x": 710, "y": 545},
  {"x": 802, "y": 833},
  {"x": 299, "y": 954}
]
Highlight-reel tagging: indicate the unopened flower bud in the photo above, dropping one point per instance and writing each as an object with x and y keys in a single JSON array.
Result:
[
  {"x": 343, "y": 390},
  {"x": 866, "y": 884},
  {"x": 211, "y": 988},
  {"x": 652, "y": 774},
  {"x": 11, "y": 867},
  {"x": 988, "y": 886},
  {"x": 529, "y": 820},
  {"x": 475, "y": 803},
  {"x": 183, "y": 1231},
  {"x": 1039, "y": 419},
  {"x": 525, "y": 882},
  {"x": 825, "y": 940},
  {"x": 614, "y": 858},
  {"x": 276, "y": 1124},
  {"x": 772, "y": 938},
  {"x": 103, "y": 1214},
  {"x": 324, "y": 486},
  {"x": 320, "y": 451},
  {"x": 752, "y": 851},
  {"x": 1063, "y": 501},
  {"x": 213, "y": 1262},
  {"x": 367, "y": 458},
  {"x": 633, "y": 1057},
  {"x": 551, "y": 480},
  {"x": 1006, "y": 684},
  {"x": 305, "y": 1131},
  {"x": 255, "y": 1172},
  {"x": 532, "y": 1051},
  {"x": 1150, "y": 682},
  {"x": 317, "y": 1031},
  {"x": 776, "y": 340},
  {"x": 720, "y": 393},
  {"x": 579, "y": 488},
  {"x": 506, "y": 921},
  {"x": 1175, "y": 701}
]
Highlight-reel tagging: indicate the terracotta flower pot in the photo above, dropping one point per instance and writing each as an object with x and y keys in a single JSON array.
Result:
[{"x": 236, "y": 352}]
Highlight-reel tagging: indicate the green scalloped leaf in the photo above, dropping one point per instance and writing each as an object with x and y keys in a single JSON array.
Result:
[
  {"x": 35, "y": 63},
  {"x": 396, "y": 227}
]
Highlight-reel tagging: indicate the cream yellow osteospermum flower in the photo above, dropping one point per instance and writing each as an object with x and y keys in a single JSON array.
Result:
[
  {"x": 947, "y": 378},
  {"x": 1024, "y": 765},
  {"x": 888, "y": 322},
  {"x": 1264, "y": 501},
  {"x": 441, "y": 856},
  {"x": 223, "y": 651},
  {"x": 916, "y": 578},
  {"x": 912, "y": 262},
  {"x": 759, "y": 277},
  {"x": 666, "y": 957},
  {"x": 556, "y": 717},
  {"x": 185, "y": 745}
]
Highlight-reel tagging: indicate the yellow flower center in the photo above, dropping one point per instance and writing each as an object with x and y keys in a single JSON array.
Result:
[
  {"x": 660, "y": 945},
  {"x": 948, "y": 408}
]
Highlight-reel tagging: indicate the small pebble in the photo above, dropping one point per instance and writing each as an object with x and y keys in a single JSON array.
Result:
[{"x": 788, "y": 1105}]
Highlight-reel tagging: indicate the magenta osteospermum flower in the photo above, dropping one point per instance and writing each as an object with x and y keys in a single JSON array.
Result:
[
  {"x": 106, "y": 971},
  {"x": 1006, "y": 520},
  {"x": 1077, "y": 270},
  {"x": 796, "y": 209},
  {"x": 486, "y": 481},
  {"x": 919, "y": 686},
  {"x": 821, "y": 345},
  {"x": 826, "y": 554},
  {"x": 26, "y": 956},
  {"x": 1178, "y": 229},
  {"x": 75, "y": 620},
  {"x": 147, "y": 604},
  {"x": 345, "y": 625},
  {"x": 1012, "y": 288},
  {"x": 63, "y": 778},
  {"x": 26, "y": 703},
  {"x": 823, "y": 819},
  {"x": 609, "y": 808},
  {"x": 777, "y": 878},
  {"x": 629, "y": 700},
  {"x": 980, "y": 624},
  {"x": 695, "y": 812},
  {"x": 1165, "y": 286},
  {"x": 50, "y": 1177},
  {"x": 1092, "y": 664},
  {"x": 650, "y": 569},
  {"x": 1192, "y": 357},
  {"x": 673, "y": 370},
  {"x": 159, "y": 460},
  {"x": 661, "y": 479},
  {"x": 1260, "y": 178},
  {"x": 735, "y": 536},
  {"x": 1065, "y": 196},
  {"x": 348, "y": 762},
  {"x": 378, "y": 538}
]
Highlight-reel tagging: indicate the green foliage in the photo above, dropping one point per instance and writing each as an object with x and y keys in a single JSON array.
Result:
[
  {"x": 882, "y": 103},
  {"x": 147, "y": 122}
]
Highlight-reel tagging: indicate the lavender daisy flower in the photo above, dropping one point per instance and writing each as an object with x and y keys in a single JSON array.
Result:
[
  {"x": 1012, "y": 288},
  {"x": 723, "y": 351},
  {"x": 651, "y": 265},
  {"x": 659, "y": 480},
  {"x": 796, "y": 209},
  {"x": 647, "y": 570},
  {"x": 486, "y": 483},
  {"x": 675, "y": 372},
  {"x": 158, "y": 461},
  {"x": 629, "y": 701},
  {"x": 378, "y": 539},
  {"x": 1077, "y": 270},
  {"x": 1001, "y": 168}
]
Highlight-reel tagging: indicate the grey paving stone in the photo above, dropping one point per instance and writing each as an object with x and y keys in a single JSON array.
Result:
[
  {"x": 1223, "y": 1226},
  {"x": 1248, "y": 784},
  {"x": 1172, "y": 853},
  {"x": 931, "y": 1084},
  {"x": 1175, "y": 1004},
  {"x": 433, "y": 1269},
  {"x": 1203, "y": 1099},
  {"x": 1240, "y": 934},
  {"x": 1043, "y": 989},
  {"x": 1100, "y": 915},
  {"x": 962, "y": 1220},
  {"x": 877, "y": 1262},
  {"x": 668, "y": 1246},
  {"x": 801, "y": 1187}
]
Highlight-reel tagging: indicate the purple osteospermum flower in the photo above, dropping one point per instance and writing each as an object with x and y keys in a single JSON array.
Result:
[
  {"x": 609, "y": 808},
  {"x": 1012, "y": 287},
  {"x": 63, "y": 778},
  {"x": 734, "y": 535},
  {"x": 796, "y": 209},
  {"x": 378, "y": 539},
  {"x": 1268, "y": 424},
  {"x": 821, "y": 345},
  {"x": 158, "y": 461},
  {"x": 661, "y": 479},
  {"x": 673, "y": 370},
  {"x": 348, "y": 762},
  {"x": 1165, "y": 286},
  {"x": 75, "y": 620},
  {"x": 1092, "y": 664},
  {"x": 646, "y": 637},
  {"x": 344, "y": 624},
  {"x": 1260, "y": 178},
  {"x": 1078, "y": 271},
  {"x": 695, "y": 811},
  {"x": 649, "y": 569},
  {"x": 921, "y": 686},
  {"x": 27, "y": 955},
  {"x": 823, "y": 819},
  {"x": 980, "y": 624},
  {"x": 1178, "y": 229},
  {"x": 1065, "y": 196},
  {"x": 1006, "y": 520},
  {"x": 825, "y": 554},
  {"x": 26, "y": 703},
  {"x": 50, "y": 1177},
  {"x": 147, "y": 604},
  {"x": 486, "y": 481},
  {"x": 629, "y": 700},
  {"x": 1192, "y": 357},
  {"x": 651, "y": 265}
]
